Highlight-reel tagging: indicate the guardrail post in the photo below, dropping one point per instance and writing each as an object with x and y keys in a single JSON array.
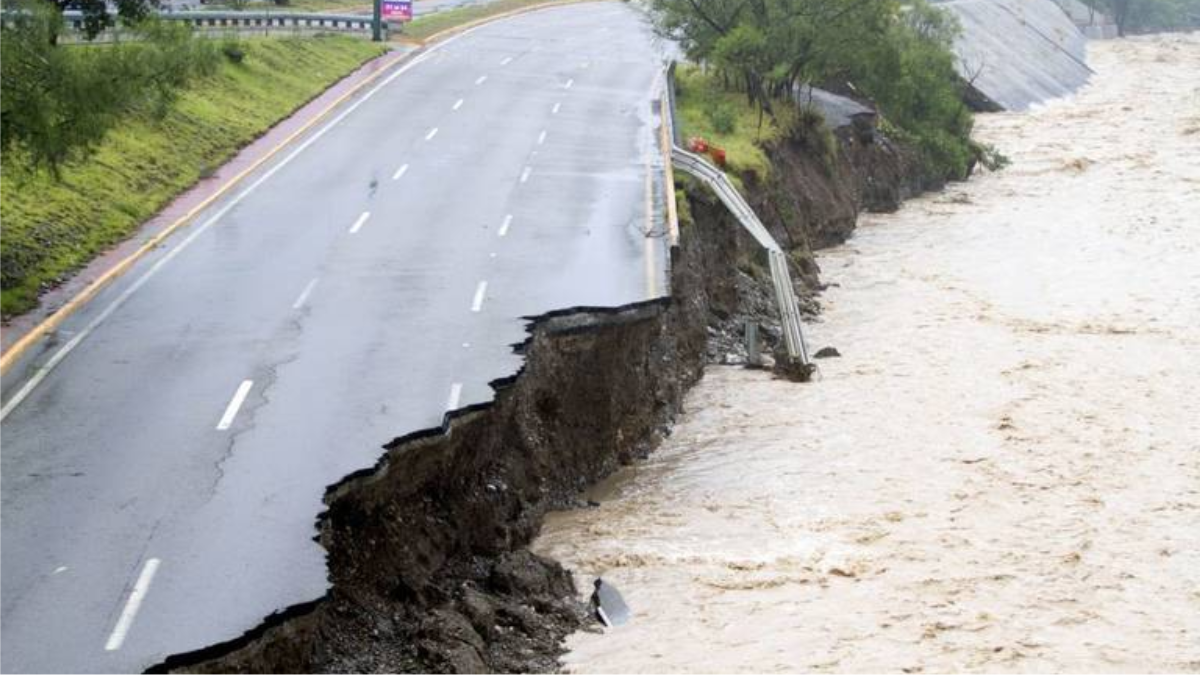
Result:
[{"x": 753, "y": 356}]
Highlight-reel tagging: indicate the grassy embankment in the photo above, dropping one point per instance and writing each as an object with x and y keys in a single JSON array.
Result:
[
  {"x": 726, "y": 120},
  {"x": 51, "y": 228},
  {"x": 424, "y": 27}
]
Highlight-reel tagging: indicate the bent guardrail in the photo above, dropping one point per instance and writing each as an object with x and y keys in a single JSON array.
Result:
[{"x": 781, "y": 279}]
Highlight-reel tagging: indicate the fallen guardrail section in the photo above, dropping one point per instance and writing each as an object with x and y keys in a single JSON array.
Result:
[
  {"x": 715, "y": 179},
  {"x": 785, "y": 294}
]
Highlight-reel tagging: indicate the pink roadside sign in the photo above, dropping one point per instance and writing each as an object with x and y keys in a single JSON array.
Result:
[{"x": 397, "y": 10}]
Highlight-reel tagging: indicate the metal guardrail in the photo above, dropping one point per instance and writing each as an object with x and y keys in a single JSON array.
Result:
[
  {"x": 714, "y": 178},
  {"x": 785, "y": 294},
  {"x": 249, "y": 20}
]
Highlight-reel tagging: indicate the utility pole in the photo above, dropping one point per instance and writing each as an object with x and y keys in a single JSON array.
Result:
[{"x": 377, "y": 21}]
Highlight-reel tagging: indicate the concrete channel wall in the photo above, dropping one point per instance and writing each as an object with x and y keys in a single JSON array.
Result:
[{"x": 1019, "y": 52}]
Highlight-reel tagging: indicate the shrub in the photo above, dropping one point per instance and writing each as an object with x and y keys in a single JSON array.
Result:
[
  {"x": 722, "y": 117},
  {"x": 234, "y": 51}
]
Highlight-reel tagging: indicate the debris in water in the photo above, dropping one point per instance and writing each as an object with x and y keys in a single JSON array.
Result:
[
  {"x": 610, "y": 606},
  {"x": 794, "y": 371}
]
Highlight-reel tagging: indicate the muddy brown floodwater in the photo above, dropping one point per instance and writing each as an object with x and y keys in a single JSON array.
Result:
[{"x": 1003, "y": 470}]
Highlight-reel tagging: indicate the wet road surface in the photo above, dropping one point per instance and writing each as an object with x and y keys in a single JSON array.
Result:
[{"x": 161, "y": 483}]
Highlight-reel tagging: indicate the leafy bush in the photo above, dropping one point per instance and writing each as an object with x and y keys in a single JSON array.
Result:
[
  {"x": 57, "y": 102},
  {"x": 900, "y": 58},
  {"x": 234, "y": 51},
  {"x": 722, "y": 117},
  {"x": 911, "y": 76},
  {"x": 989, "y": 156},
  {"x": 806, "y": 125}
]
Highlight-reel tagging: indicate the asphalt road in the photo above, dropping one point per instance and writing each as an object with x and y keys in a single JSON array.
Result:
[
  {"x": 160, "y": 485},
  {"x": 426, "y": 7}
]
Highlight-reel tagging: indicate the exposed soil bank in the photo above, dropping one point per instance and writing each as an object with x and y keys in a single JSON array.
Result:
[{"x": 427, "y": 551}]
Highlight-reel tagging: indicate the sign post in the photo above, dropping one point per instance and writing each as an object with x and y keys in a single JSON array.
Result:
[{"x": 376, "y": 22}]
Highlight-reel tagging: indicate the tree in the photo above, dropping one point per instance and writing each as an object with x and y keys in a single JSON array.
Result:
[
  {"x": 769, "y": 46},
  {"x": 1120, "y": 11},
  {"x": 1142, "y": 16},
  {"x": 56, "y": 101},
  {"x": 899, "y": 57},
  {"x": 96, "y": 17}
]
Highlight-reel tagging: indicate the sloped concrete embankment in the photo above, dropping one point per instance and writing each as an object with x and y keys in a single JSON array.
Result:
[{"x": 1015, "y": 53}]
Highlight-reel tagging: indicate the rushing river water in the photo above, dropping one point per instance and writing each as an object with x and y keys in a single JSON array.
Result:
[{"x": 1002, "y": 472}]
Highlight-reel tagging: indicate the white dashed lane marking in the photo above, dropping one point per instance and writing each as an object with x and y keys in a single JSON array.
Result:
[
  {"x": 235, "y": 404},
  {"x": 132, "y": 605},
  {"x": 308, "y": 289},
  {"x": 360, "y": 222},
  {"x": 480, "y": 294}
]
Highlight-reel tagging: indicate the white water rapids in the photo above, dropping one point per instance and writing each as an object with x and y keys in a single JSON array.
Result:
[{"x": 1002, "y": 472}]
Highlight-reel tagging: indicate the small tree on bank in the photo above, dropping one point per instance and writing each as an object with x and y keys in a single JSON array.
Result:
[{"x": 57, "y": 102}]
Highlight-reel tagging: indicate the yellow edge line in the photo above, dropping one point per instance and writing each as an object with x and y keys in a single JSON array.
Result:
[
  {"x": 648, "y": 252},
  {"x": 666, "y": 142},
  {"x": 18, "y": 348},
  {"x": 22, "y": 345}
]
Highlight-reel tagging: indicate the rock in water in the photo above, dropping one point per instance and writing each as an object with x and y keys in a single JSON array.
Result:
[
  {"x": 827, "y": 353},
  {"x": 610, "y": 606}
]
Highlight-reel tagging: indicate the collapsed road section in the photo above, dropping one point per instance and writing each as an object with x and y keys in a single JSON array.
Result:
[
  {"x": 161, "y": 478},
  {"x": 428, "y": 550}
]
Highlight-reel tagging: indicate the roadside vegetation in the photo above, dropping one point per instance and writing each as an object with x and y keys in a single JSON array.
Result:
[
  {"x": 723, "y": 117},
  {"x": 1149, "y": 16},
  {"x": 761, "y": 50},
  {"x": 81, "y": 171}
]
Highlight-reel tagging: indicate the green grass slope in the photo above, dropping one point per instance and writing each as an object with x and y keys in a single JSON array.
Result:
[
  {"x": 50, "y": 228},
  {"x": 726, "y": 120}
]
